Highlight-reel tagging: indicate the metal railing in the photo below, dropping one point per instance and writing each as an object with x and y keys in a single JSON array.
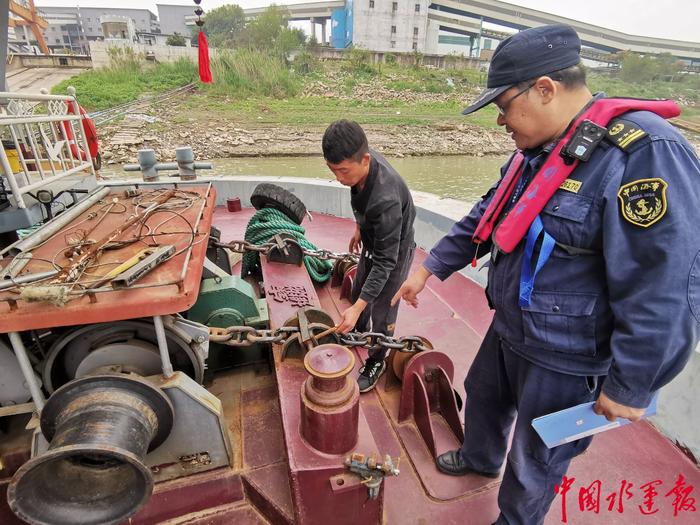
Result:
[{"x": 42, "y": 140}]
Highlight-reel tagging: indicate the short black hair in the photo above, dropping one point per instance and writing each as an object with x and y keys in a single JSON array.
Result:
[
  {"x": 344, "y": 139},
  {"x": 570, "y": 77}
]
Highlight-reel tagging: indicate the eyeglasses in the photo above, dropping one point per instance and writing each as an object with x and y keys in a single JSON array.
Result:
[{"x": 504, "y": 108}]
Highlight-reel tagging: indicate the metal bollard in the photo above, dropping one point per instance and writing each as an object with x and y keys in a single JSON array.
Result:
[
  {"x": 147, "y": 164},
  {"x": 185, "y": 165}
]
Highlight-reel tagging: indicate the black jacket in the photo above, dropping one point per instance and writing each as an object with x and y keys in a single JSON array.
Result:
[{"x": 384, "y": 211}]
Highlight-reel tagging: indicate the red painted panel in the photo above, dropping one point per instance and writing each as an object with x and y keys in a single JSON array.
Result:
[{"x": 160, "y": 299}]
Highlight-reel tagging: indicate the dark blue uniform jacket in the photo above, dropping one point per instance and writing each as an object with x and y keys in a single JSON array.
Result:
[{"x": 620, "y": 294}]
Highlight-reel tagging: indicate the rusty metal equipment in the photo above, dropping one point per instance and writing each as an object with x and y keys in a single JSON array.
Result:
[
  {"x": 330, "y": 400},
  {"x": 100, "y": 429},
  {"x": 130, "y": 276},
  {"x": 313, "y": 325},
  {"x": 343, "y": 275},
  {"x": 371, "y": 471},
  {"x": 319, "y": 495},
  {"x": 398, "y": 358},
  {"x": 427, "y": 397},
  {"x": 285, "y": 249},
  {"x": 124, "y": 346}
]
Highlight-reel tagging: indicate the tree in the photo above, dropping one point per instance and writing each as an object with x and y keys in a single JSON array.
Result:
[
  {"x": 224, "y": 26},
  {"x": 667, "y": 66},
  {"x": 639, "y": 68},
  {"x": 176, "y": 39},
  {"x": 635, "y": 67},
  {"x": 270, "y": 31}
]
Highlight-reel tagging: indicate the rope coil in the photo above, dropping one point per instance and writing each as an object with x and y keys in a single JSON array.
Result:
[{"x": 267, "y": 223}]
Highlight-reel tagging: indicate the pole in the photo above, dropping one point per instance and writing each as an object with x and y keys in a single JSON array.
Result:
[{"x": 4, "y": 22}]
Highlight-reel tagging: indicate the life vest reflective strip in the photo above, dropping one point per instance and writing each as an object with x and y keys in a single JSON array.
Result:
[
  {"x": 511, "y": 230},
  {"x": 90, "y": 135}
]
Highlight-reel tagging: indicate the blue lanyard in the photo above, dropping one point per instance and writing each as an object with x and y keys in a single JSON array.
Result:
[{"x": 527, "y": 276}]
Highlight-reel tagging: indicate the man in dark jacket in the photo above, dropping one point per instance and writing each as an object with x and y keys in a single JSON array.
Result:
[
  {"x": 384, "y": 213},
  {"x": 614, "y": 312}
]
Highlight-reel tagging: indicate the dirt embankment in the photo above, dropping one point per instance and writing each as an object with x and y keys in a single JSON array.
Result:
[
  {"x": 215, "y": 136},
  {"x": 120, "y": 142},
  {"x": 224, "y": 141}
]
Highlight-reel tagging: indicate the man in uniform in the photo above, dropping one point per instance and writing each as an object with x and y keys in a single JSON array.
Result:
[
  {"x": 384, "y": 213},
  {"x": 614, "y": 311}
]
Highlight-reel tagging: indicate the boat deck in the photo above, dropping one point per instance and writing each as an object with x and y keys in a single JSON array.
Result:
[{"x": 453, "y": 315}]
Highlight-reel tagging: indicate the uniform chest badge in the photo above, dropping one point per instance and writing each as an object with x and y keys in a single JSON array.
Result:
[{"x": 643, "y": 202}]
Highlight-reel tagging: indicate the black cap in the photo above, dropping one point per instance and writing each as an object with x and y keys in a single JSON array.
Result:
[{"x": 529, "y": 54}]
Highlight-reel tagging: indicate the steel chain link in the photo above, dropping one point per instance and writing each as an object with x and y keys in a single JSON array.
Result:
[
  {"x": 244, "y": 336},
  {"x": 264, "y": 249}
]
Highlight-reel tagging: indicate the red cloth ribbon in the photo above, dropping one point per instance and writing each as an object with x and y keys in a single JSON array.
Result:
[{"x": 204, "y": 69}]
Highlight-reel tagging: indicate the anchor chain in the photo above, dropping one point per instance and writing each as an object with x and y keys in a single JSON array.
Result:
[
  {"x": 265, "y": 248},
  {"x": 244, "y": 336}
]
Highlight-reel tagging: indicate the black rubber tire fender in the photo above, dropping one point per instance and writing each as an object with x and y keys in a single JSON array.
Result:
[{"x": 268, "y": 195}]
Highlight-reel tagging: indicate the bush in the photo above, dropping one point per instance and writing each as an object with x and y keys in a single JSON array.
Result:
[
  {"x": 251, "y": 72},
  {"x": 125, "y": 59},
  {"x": 359, "y": 62},
  {"x": 176, "y": 39},
  {"x": 305, "y": 63}
]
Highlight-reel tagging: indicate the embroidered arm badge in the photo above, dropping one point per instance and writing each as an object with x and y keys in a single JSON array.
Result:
[
  {"x": 643, "y": 201},
  {"x": 623, "y": 133}
]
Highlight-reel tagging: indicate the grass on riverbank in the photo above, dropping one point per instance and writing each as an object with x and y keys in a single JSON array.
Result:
[
  {"x": 253, "y": 87},
  {"x": 125, "y": 81},
  {"x": 320, "y": 111}
]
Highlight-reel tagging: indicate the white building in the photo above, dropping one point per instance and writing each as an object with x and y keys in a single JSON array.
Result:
[{"x": 390, "y": 25}]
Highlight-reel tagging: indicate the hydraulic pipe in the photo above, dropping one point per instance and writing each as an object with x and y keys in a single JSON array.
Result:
[{"x": 55, "y": 225}]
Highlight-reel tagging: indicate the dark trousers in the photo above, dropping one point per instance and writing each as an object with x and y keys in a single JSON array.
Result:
[
  {"x": 380, "y": 316},
  {"x": 499, "y": 385}
]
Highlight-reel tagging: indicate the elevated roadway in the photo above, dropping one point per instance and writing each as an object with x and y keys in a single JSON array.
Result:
[
  {"x": 600, "y": 38},
  {"x": 465, "y": 15},
  {"x": 303, "y": 11}
]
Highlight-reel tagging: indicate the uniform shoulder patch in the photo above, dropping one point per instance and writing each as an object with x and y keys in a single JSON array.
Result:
[
  {"x": 623, "y": 133},
  {"x": 643, "y": 201}
]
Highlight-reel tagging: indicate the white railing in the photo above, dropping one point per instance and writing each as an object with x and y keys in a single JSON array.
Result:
[{"x": 42, "y": 142}]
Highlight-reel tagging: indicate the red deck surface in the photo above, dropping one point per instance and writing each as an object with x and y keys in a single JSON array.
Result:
[
  {"x": 453, "y": 315},
  {"x": 166, "y": 292}
]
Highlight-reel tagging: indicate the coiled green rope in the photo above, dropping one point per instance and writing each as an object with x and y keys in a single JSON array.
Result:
[{"x": 268, "y": 222}]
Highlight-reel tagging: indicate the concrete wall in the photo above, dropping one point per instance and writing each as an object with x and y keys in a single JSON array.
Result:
[
  {"x": 100, "y": 58},
  {"x": 441, "y": 61},
  {"x": 54, "y": 61},
  {"x": 372, "y": 26}
]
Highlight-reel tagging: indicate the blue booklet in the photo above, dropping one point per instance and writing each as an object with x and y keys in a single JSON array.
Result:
[{"x": 578, "y": 422}]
